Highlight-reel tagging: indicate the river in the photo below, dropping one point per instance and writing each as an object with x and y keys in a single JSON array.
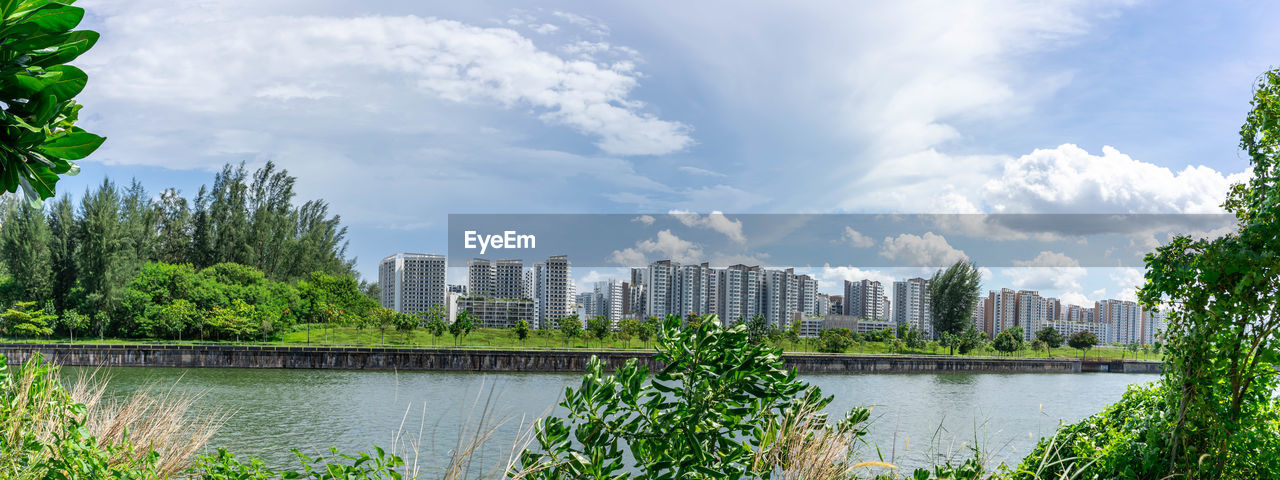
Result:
[{"x": 915, "y": 416}]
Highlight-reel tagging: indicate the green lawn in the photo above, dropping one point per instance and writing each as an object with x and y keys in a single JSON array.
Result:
[{"x": 538, "y": 340}]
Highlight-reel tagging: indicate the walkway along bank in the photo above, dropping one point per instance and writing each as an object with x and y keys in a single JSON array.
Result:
[{"x": 494, "y": 360}]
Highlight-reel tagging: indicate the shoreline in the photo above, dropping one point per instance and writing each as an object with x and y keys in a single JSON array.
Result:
[{"x": 514, "y": 360}]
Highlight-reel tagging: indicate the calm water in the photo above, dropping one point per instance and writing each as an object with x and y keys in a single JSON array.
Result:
[{"x": 915, "y": 415}]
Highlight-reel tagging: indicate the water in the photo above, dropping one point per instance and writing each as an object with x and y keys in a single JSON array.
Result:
[{"x": 915, "y": 415}]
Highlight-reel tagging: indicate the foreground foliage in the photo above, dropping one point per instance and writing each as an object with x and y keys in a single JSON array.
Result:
[
  {"x": 721, "y": 407},
  {"x": 39, "y": 141}
]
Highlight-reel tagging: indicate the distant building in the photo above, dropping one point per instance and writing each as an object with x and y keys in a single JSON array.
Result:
[
  {"x": 738, "y": 295},
  {"x": 552, "y": 290},
  {"x": 866, "y": 299},
  {"x": 856, "y": 324},
  {"x": 496, "y": 313},
  {"x": 911, "y": 305},
  {"x": 412, "y": 282},
  {"x": 500, "y": 279}
]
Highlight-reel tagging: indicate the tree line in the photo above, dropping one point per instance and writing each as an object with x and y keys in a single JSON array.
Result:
[{"x": 83, "y": 255}]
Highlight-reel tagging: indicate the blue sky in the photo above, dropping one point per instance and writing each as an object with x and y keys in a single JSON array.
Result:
[{"x": 399, "y": 113}]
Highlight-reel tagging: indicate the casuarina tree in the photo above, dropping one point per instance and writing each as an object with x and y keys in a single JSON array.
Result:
[{"x": 953, "y": 293}]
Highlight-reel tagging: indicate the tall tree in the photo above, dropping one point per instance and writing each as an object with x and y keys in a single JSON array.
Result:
[
  {"x": 173, "y": 228},
  {"x": 140, "y": 218},
  {"x": 24, "y": 241},
  {"x": 107, "y": 258},
  {"x": 201, "y": 251},
  {"x": 62, "y": 251},
  {"x": 953, "y": 293},
  {"x": 1223, "y": 332}
]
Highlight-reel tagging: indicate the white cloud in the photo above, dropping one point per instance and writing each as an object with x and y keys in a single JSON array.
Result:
[
  {"x": 715, "y": 221},
  {"x": 665, "y": 246},
  {"x": 853, "y": 237},
  {"x": 590, "y": 25},
  {"x": 1047, "y": 271},
  {"x": 700, "y": 171},
  {"x": 1069, "y": 179},
  {"x": 929, "y": 250},
  {"x": 214, "y": 62},
  {"x": 545, "y": 28},
  {"x": 1076, "y": 298},
  {"x": 1128, "y": 277},
  {"x": 832, "y": 279},
  {"x": 647, "y": 220}
]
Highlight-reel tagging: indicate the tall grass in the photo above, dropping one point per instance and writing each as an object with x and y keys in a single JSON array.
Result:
[{"x": 152, "y": 419}]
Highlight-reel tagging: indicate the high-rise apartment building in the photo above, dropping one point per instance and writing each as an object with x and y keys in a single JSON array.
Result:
[
  {"x": 911, "y": 305},
  {"x": 807, "y": 295},
  {"x": 1001, "y": 311},
  {"x": 866, "y": 299},
  {"x": 781, "y": 296},
  {"x": 738, "y": 293},
  {"x": 412, "y": 282},
  {"x": 480, "y": 277},
  {"x": 553, "y": 290}
]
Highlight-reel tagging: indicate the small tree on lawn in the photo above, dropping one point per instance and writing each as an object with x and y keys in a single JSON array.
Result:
[
  {"x": 1008, "y": 341},
  {"x": 1082, "y": 341},
  {"x": 522, "y": 330},
  {"x": 599, "y": 327},
  {"x": 74, "y": 321},
  {"x": 461, "y": 326},
  {"x": 1050, "y": 337},
  {"x": 758, "y": 329},
  {"x": 647, "y": 330},
  {"x": 570, "y": 328},
  {"x": 627, "y": 328},
  {"x": 406, "y": 322},
  {"x": 436, "y": 328}
]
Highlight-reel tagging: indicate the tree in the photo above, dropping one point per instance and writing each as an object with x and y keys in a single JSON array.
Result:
[
  {"x": 647, "y": 330},
  {"x": 24, "y": 244},
  {"x": 62, "y": 252},
  {"x": 384, "y": 319},
  {"x": 953, "y": 294},
  {"x": 690, "y": 419},
  {"x": 1050, "y": 337},
  {"x": 570, "y": 328},
  {"x": 970, "y": 340},
  {"x": 627, "y": 328},
  {"x": 599, "y": 327},
  {"x": 37, "y": 88},
  {"x": 406, "y": 322},
  {"x": 758, "y": 329},
  {"x": 910, "y": 336},
  {"x": 1082, "y": 341},
  {"x": 1037, "y": 345},
  {"x": 461, "y": 326},
  {"x": 24, "y": 320},
  {"x": 793, "y": 332},
  {"x": 106, "y": 260},
  {"x": 436, "y": 328},
  {"x": 74, "y": 321},
  {"x": 522, "y": 330},
  {"x": 835, "y": 340},
  {"x": 1008, "y": 341}
]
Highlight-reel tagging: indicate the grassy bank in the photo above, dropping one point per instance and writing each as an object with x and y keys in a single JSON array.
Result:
[{"x": 316, "y": 335}]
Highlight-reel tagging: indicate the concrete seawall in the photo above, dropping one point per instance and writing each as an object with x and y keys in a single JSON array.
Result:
[{"x": 444, "y": 359}]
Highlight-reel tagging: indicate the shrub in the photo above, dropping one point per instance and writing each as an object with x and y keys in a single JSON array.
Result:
[{"x": 721, "y": 407}]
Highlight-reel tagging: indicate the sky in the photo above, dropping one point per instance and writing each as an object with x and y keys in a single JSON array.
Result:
[{"x": 399, "y": 113}]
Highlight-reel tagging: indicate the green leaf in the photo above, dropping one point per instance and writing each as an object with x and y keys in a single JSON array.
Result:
[
  {"x": 67, "y": 82},
  {"x": 75, "y": 44},
  {"x": 71, "y": 146},
  {"x": 55, "y": 17}
]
